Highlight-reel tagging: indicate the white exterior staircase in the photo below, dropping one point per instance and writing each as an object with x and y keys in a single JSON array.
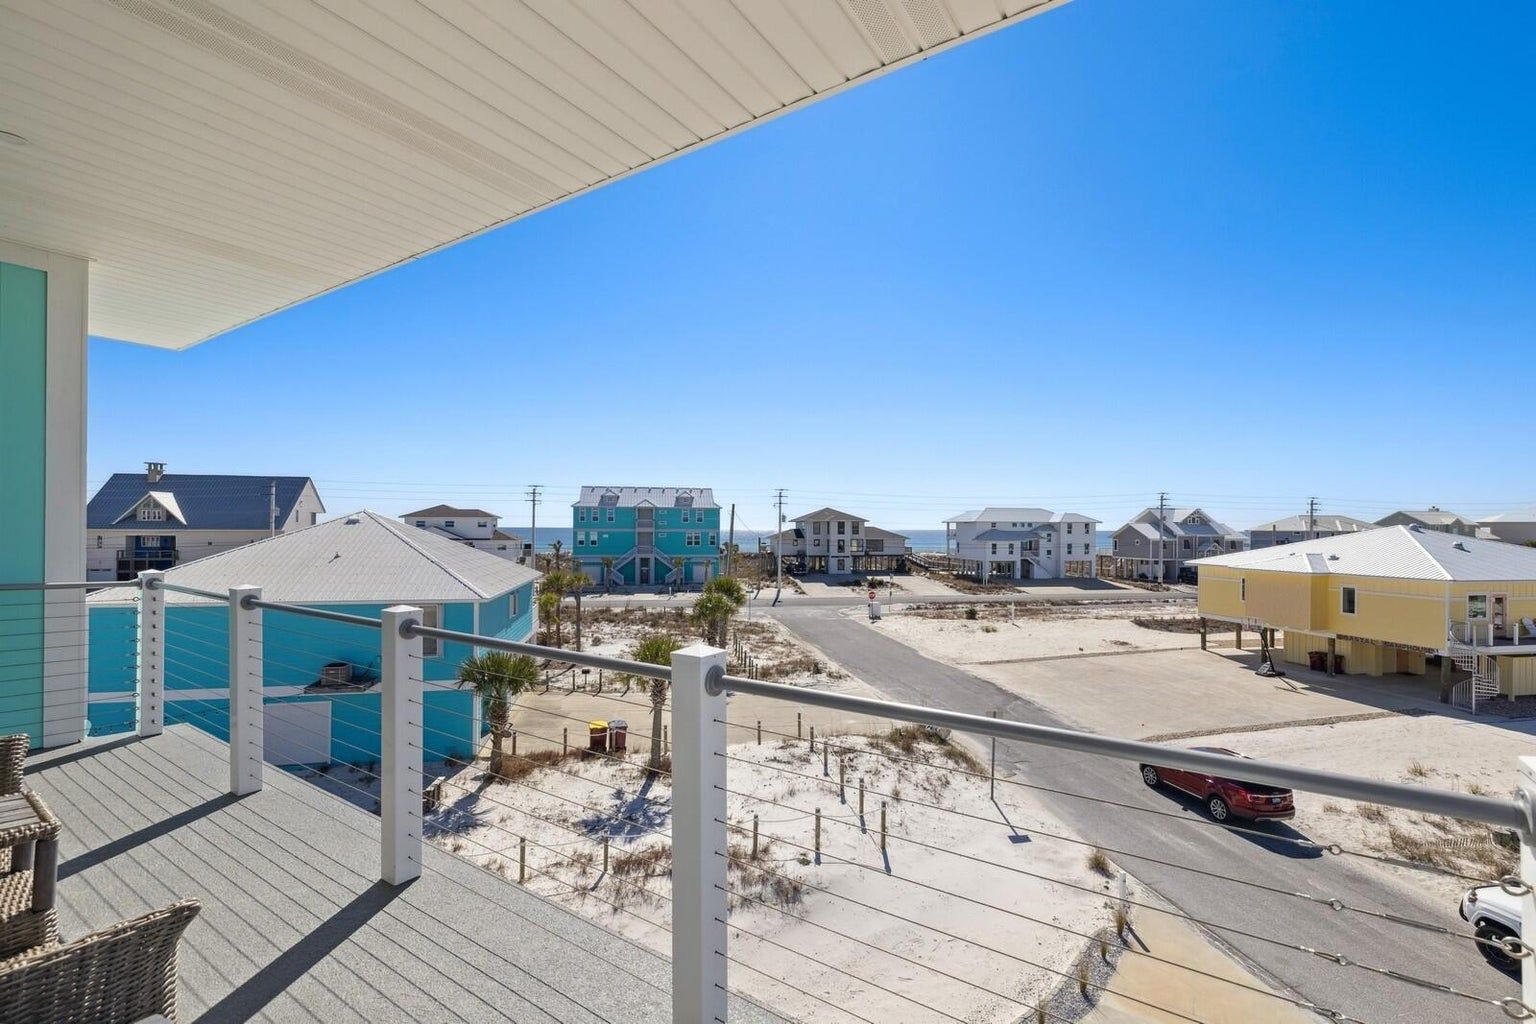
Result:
[{"x": 1484, "y": 684}]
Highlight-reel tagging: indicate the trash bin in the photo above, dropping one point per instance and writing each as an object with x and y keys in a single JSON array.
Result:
[
  {"x": 618, "y": 736},
  {"x": 1317, "y": 661},
  {"x": 597, "y": 735},
  {"x": 1338, "y": 664}
]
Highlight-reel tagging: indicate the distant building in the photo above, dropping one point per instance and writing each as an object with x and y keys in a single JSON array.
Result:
[
  {"x": 1294, "y": 528},
  {"x": 840, "y": 544},
  {"x": 1023, "y": 543},
  {"x": 646, "y": 536},
  {"x": 321, "y": 677},
  {"x": 1517, "y": 526},
  {"x": 1432, "y": 518},
  {"x": 157, "y": 520},
  {"x": 1156, "y": 545},
  {"x": 473, "y": 527}
]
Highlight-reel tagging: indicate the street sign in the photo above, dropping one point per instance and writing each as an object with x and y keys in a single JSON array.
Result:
[{"x": 871, "y": 594}]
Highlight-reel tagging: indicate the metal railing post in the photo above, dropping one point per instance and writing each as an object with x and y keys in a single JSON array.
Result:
[
  {"x": 247, "y": 730},
  {"x": 1527, "y": 798},
  {"x": 401, "y": 714},
  {"x": 149, "y": 695},
  {"x": 698, "y": 837}
]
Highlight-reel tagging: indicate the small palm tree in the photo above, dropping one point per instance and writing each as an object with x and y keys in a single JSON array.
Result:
[
  {"x": 713, "y": 611},
  {"x": 656, "y": 649},
  {"x": 549, "y": 611},
  {"x": 728, "y": 587},
  {"x": 575, "y": 582},
  {"x": 608, "y": 563},
  {"x": 497, "y": 677}
]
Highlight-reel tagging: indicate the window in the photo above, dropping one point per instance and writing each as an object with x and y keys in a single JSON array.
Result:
[
  {"x": 714, "y": 540},
  {"x": 421, "y": 524},
  {"x": 447, "y": 524},
  {"x": 151, "y": 514},
  {"x": 815, "y": 528},
  {"x": 431, "y": 646},
  {"x": 686, "y": 515},
  {"x": 855, "y": 529},
  {"x": 994, "y": 548},
  {"x": 1010, "y": 547},
  {"x": 512, "y": 604},
  {"x": 312, "y": 518},
  {"x": 840, "y": 546},
  {"x": 1347, "y": 600},
  {"x": 1477, "y": 607},
  {"x": 691, "y": 538},
  {"x": 1069, "y": 543},
  {"x": 579, "y": 535},
  {"x": 482, "y": 524},
  {"x": 98, "y": 540},
  {"x": 1186, "y": 544},
  {"x": 1047, "y": 552},
  {"x": 1069, "y": 527},
  {"x": 1242, "y": 589},
  {"x": 610, "y": 514},
  {"x": 581, "y": 515}
]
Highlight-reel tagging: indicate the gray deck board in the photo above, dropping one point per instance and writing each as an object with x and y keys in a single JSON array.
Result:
[{"x": 294, "y": 925}]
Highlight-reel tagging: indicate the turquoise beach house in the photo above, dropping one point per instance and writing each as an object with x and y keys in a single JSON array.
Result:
[
  {"x": 321, "y": 677},
  {"x": 653, "y": 535}
]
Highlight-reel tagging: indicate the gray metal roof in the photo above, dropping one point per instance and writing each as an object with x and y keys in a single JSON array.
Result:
[
  {"x": 1398, "y": 552},
  {"x": 206, "y": 501},
  {"x": 660, "y": 497},
  {"x": 363, "y": 558},
  {"x": 1331, "y": 523},
  {"x": 1001, "y": 534},
  {"x": 825, "y": 514},
  {"x": 443, "y": 511},
  {"x": 1430, "y": 517},
  {"x": 999, "y": 514},
  {"x": 1515, "y": 515}
]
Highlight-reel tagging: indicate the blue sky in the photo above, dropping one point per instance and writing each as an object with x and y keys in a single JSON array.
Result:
[{"x": 1243, "y": 253}]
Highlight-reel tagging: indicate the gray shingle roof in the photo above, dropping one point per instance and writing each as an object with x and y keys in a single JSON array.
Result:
[
  {"x": 206, "y": 501},
  {"x": 1331, "y": 523},
  {"x": 363, "y": 558},
  {"x": 443, "y": 511}
]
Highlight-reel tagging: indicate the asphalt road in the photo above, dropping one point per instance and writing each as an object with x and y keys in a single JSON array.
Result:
[{"x": 904, "y": 675}]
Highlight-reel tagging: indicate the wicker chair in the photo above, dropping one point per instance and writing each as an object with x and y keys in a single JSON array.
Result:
[
  {"x": 13, "y": 752},
  {"x": 119, "y": 975},
  {"x": 22, "y": 927}
]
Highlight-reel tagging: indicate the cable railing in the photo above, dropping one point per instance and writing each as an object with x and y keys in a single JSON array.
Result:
[{"x": 821, "y": 866}]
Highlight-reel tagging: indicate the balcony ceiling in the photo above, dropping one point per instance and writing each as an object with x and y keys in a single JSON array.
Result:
[{"x": 219, "y": 160}]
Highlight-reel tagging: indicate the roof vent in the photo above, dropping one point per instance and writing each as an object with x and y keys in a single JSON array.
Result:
[
  {"x": 1415, "y": 527},
  {"x": 353, "y": 520},
  {"x": 1459, "y": 546},
  {"x": 1333, "y": 558}
]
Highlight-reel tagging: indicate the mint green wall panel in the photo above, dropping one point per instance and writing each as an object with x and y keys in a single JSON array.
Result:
[{"x": 23, "y": 402}]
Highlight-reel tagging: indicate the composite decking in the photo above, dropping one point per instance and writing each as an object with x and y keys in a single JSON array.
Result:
[{"x": 295, "y": 925}]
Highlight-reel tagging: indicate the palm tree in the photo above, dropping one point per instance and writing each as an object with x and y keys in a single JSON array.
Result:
[
  {"x": 729, "y": 587},
  {"x": 713, "y": 611},
  {"x": 575, "y": 582},
  {"x": 497, "y": 677},
  {"x": 656, "y": 649},
  {"x": 608, "y": 563},
  {"x": 549, "y": 611}
]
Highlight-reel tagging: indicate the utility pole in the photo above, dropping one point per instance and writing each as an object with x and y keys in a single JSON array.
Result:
[
  {"x": 533, "y": 526},
  {"x": 730, "y": 543},
  {"x": 1162, "y": 519},
  {"x": 272, "y": 509},
  {"x": 1311, "y": 518},
  {"x": 778, "y": 548}
]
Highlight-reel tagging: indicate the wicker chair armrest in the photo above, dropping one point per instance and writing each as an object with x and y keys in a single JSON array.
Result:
[
  {"x": 13, "y": 753},
  {"x": 119, "y": 975}
]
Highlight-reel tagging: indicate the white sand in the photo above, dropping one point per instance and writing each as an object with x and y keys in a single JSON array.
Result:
[{"x": 562, "y": 812}]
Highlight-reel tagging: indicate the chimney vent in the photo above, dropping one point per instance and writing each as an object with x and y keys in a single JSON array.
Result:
[{"x": 153, "y": 471}]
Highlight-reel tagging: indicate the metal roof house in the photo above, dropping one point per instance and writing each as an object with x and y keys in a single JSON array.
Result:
[
  {"x": 1293, "y": 528},
  {"x": 839, "y": 543},
  {"x": 1432, "y": 518},
  {"x": 1155, "y": 544},
  {"x": 646, "y": 536},
  {"x": 325, "y": 683},
  {"x": 1387, "y": 599},
  {"x": 1022, "y": 542},
  {"x": 156, "y": 520},
  {"x": 1517, "y": 526}
]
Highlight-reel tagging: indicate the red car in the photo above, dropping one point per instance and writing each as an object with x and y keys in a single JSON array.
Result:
[{"x": 1225, "y": 798}]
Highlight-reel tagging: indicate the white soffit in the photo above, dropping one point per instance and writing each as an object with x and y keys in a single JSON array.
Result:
[{"x": 219, "y": 160}]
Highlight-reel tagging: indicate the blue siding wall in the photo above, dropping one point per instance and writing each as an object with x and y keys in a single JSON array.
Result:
[{"x": 295, "y": 648}]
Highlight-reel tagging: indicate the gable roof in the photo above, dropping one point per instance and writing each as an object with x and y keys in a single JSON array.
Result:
[
  {"x": 1397, "y": 552},
  {"x": 1430, "y": 517},
  {"x": 825, "y": 514},
  {"x": 660, "y": 497},
  {"x": 875, "y": 533},
  {"x": 1002, "y": 514},
  {"x": 442, "y": 511},
  {"x": 363, "y": 558},
  {"x": 1333, "y": 523},
  {"x": 1174, "y": 525},
  {"x": 201, "y": 501},
  {"x": 1515, "y": 515},
  {"x": 165, "y": 499}
]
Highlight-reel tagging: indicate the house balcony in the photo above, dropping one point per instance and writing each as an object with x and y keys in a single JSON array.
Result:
[{"x": 372, "y": 886}]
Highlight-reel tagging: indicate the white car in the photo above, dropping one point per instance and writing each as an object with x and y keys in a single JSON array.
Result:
[{"x": 1495, "y": 915}]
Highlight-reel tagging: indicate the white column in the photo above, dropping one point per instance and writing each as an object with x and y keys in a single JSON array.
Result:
[
  {"x": 149, "y": 697},
  {"x": 1525, "y": 795},
  {"x": 247, "y": 733},
  {"x": 699, "y": 901},
  {"x": 401, "y": 713}
]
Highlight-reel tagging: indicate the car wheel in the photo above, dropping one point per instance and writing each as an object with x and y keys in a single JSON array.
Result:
[
  {"x": 1489, "y": 936},
  {"x": 1218, "y": 808},
  {"x": 1150, "y": 777}
]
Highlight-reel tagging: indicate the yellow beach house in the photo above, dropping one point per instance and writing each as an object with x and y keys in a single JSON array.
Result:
[{"x": 1389, "y": 600}]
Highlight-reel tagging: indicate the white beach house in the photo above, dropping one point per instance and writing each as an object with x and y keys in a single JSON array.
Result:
[{"x": 1023, "y": 543}]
